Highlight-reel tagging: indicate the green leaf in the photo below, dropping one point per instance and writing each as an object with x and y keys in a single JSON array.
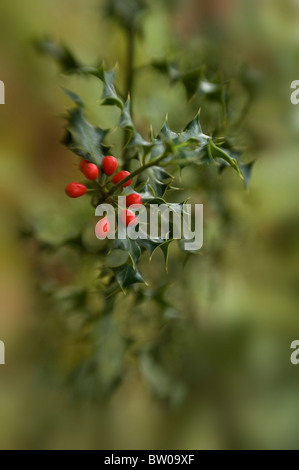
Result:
[
  {"x": 150, "y": 243},
  {"x": 131, "y": 247},
  {"x": 165, "y": 250},
  {"x": 126, "y": 13},
  {"x": 191, "y": 82},
  {"x": 116, "y": 258},
  {"x": 126, "y": 276},
  {"x": 159, "y": 180},
  {"x": 217, "y": 152},
  {"x": 137, "y": 140},
  {"x": 83, "y": 138},
  {"x": 193, "y": 131},
  {"x": 109, "y": 96},
  {"x": 126, "y": 121},
  {"x": 74, "y": 97},
  {"x": 167, "y": 134},
  {"x": 61, "y": 54}
]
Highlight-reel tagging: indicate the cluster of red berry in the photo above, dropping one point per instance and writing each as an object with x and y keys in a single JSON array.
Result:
[{"x": 91, "y": 171}]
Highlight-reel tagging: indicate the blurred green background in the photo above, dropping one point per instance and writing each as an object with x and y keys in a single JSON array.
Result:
[{"x": 218, "y": 375}]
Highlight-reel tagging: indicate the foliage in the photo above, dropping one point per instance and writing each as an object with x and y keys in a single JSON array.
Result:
[{"x": 155, "y": 162}]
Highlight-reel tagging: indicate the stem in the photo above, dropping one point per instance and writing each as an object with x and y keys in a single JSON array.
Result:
[{"x": 129, "y": 85}]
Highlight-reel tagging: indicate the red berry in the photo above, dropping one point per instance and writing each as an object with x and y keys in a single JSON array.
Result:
[
  {"x": 91, "y": 171},
  {"x": 133, "y": 198},
  {"x": 109, "y": 165},
  {"x": 75, "y": 190},
  {"x": 120, "y": 176},
  {"x": 102, "y": 228},
  {"x": 128, "y": 217},
  {"x": 83, "y": 163}
]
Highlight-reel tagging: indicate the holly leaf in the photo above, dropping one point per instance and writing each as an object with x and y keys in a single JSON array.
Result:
[
  {"x": 109, "y": 95},
  {"x": 116, "y": 258},
  {"x": 165, "y": 250},
  {"x": 126, "y": 276},
  {"x": 74, "y": 97},
  {"x": 167, "y": 134},
  {"x": 126, "y": 13},
  {"x": 126, "y": 121},
  {"x": 193, "y": 132},
  {"x": 191, "y": 82},
  {"x": 83, "y": 138},
  {"x": 150, "y": 243},
  {"x": 61, "y": 54},
  {"x": 137, "y": 140},
  {"x": 159, "y": 180},
  {"x": 167, "y": 68},
  {"x": 222, "y": 154},
  {"x": 131, "y": 247}
]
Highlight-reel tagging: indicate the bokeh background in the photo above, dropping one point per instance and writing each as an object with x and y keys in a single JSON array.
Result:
[{"x": 215, "y": 372}]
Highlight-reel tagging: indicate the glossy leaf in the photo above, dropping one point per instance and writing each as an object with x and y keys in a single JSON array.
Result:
[
  {"x": 83, "y": 138},
  {"x": 126, "y": 276}
]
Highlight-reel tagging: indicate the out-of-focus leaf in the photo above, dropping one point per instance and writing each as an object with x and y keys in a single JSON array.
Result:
[
  {"x": 74, "y": 97},
  {"x": 167, "y": 68},
  {"x": 163, "y": 386},
  {"x": 246, "y": 170},
  {"x": 191, "y": 82},
  {"x": 127, "y": 13},
  {"x": 61, "y": 54},
  {"x": 165, "y": 250},
  {"x": 116, "y": 258},
  {"x": 130, "y": 246},
  {"x": 126, "y": 276}
]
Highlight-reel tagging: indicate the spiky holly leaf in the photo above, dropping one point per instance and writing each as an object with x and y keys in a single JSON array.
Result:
[
  {"x": 168, "y": 68},
  {"x": 126, "y": 276},
  {"x": 130, "y": 246},
  {"x": 110, "y": 96},
  {"x": 165, "y": 250},
  {"x": 191, "y": 82},
  {"x": 167, "y": 134},
  {"x": 126, "y": 13},
  {"x": 159, "y": 180},
  {"x": 83, "y": 138},
  {"x": 151, "y": 243},
  {"x": 126, "y": 121},
  {"x": 216, "y": 153},
  {"x": 193, "y": 132},
  {"x": 61, "y": 54}
]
